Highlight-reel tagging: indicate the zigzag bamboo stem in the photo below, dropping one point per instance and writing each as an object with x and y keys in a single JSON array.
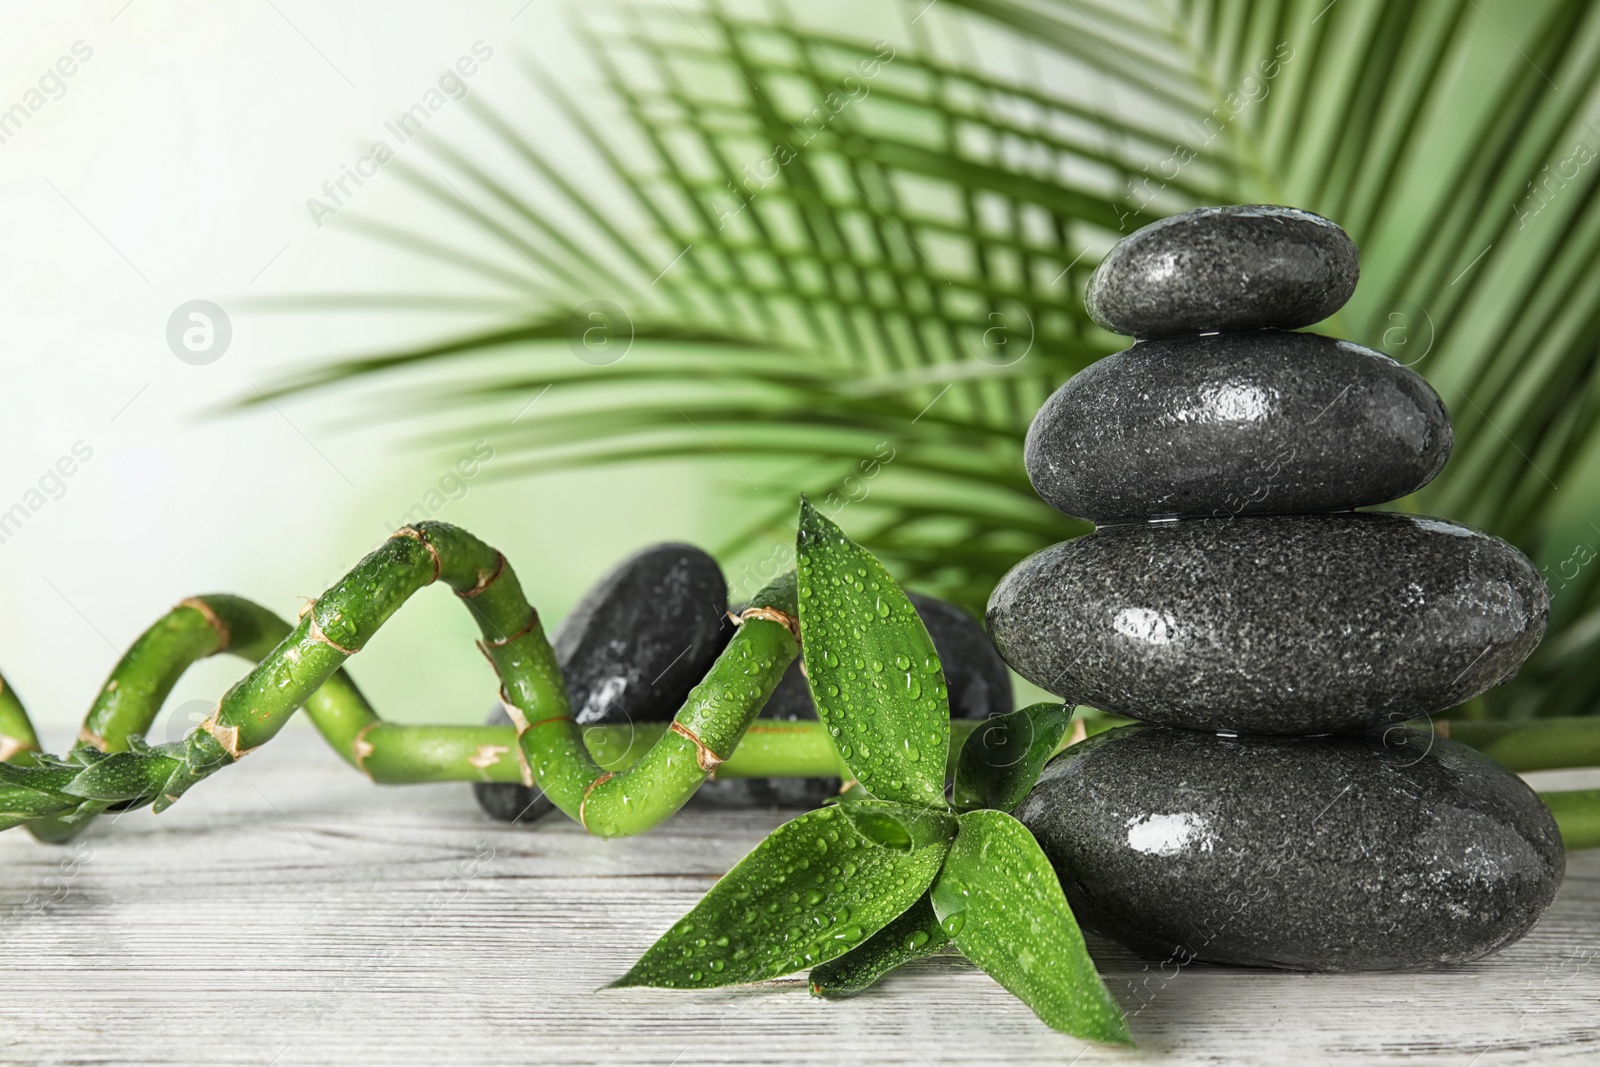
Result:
[
  {"x": 615, "y": 780},
  {"x": 300, "y": 666}
]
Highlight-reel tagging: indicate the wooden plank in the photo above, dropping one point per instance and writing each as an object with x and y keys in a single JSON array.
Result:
[{"x": 289, "y": 912}]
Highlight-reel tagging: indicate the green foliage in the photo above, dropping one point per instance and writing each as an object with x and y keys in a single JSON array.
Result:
[
  {"x": 901, "y": 272},
  {"x": 902, "y": 827},
  {"x": 76, "y": 788},
  {"x": 851, "y": 882},
  {"x": 997, "y": 896},
  {"x": 811, "y": 891},
  {"x": 874, "y": 674},
  {"x": 1003, "y": 757},
  {"x": 915, "y": 934}
]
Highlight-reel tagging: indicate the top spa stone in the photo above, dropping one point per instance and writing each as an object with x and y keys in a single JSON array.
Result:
[
  {"x": 1244, "y": 267},
  {"x": 1263, "y": 423}
]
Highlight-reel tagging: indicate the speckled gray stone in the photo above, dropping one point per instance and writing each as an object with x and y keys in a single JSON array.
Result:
[
  {"x": 1236, "y": 424},
  {"x": 1394, "y": 851},
  {"x": 975, "y": 675},
  {"x": 638, "y": 641},
  {"x": 1280, "y": 624},
  {"x": 1242, "y": 267}
]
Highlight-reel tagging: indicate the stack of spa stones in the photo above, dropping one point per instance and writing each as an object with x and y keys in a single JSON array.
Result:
[{"x": 1276, "y": 812}]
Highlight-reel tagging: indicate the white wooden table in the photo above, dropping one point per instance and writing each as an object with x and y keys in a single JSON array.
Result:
[{"x": 290, "y": 912}]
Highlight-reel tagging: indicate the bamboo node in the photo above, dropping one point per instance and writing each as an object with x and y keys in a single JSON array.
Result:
[
  {"x": 487, "y": 756},
  {"x": 528, "y": 627},
  {"x": 708, "y": 760},
  {"x": 782, "y": 618},
  {"x": 361, "y": 748},
  {"x": 417, "y": 535},
  {"x": 584, "y": 803},
  {"x": 485, "y": 581},
  {"x": 225, "y": 735},
  {"x": 519, "y": 720},
  {"x": 316, "y": 634},
  {"x": 213, "y": 620},
  {"x": 89, "y": 737}
]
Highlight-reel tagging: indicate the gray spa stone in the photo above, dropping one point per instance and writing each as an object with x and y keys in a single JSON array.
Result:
[
  {"x": 1393, "y": 851},
  {"x": 1242, "y": 267},
  {"x": 1281, "y": 624},
  {"x": 1236, "y": 424},
  {"x": 638, "y": 641},
  {"x": 975, "y": 675}
]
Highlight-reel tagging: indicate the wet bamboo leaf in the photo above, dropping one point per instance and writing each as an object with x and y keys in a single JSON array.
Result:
[
  {"x": 19, "y": 803},
  {"x": 999, "y": 899},
  {"x": 1002, "y": 758},
  {"x": 811, "y": 891},
  {"x": 874, "y": 674},
  {"x": 122, "y": 776},
  {"x": 915, "y": 934},
  {"x": 902, "y": 827}
]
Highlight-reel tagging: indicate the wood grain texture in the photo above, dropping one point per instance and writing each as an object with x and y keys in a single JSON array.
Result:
[{"x": 288, "y": 912}]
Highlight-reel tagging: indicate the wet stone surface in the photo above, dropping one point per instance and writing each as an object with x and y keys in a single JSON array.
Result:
[
  {"x": 1236, "y": 424},
  {"x": 631, "y": 651},
  {"x": 1241, "y": 267},
  {"x": 1286, "y": 624},
  {"x": 1396, "y": 851}
]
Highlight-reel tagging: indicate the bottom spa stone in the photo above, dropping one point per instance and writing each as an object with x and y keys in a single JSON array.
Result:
[{"x": 1394, "y": 851}]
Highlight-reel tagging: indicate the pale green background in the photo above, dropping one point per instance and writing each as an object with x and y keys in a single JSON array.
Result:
[{"x": 191, "y": 140}]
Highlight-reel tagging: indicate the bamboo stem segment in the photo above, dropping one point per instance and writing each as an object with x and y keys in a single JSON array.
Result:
[
  {"x": 300, "y": 666},
  {"x": 615, "y": 780}
]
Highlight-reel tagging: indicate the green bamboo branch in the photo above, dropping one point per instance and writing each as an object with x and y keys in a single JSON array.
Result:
[
  {"x": 613, "y": 779},
  {"x": 1534, "y": 745},
  {"x": 300, "y": 666},
  {"x": 18, "y": 742}
]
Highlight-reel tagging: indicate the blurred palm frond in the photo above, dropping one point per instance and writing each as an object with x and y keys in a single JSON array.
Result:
[{"x": 857, "y": 259}]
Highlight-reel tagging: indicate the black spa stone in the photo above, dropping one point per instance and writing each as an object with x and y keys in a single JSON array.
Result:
[
  {"x": 1394, "y": 851},
  {"x": 1237, "y": 424},
  {"x": 1242, "y": 267},
  {"x": 975, "y": 675},
  {"x": 631, "y": 651},
  {"x": 1281, "y": 624}
]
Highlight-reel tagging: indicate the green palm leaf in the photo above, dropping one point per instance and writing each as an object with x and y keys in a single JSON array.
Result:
[{"x": 808, "y": 243}]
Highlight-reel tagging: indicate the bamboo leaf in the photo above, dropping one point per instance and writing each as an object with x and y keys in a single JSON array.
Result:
[
  {"x": 1002, "y": 758},
  {"x": 915, "y": 934},
  {"x": 902, "y": 827},
  {"x": 811, "y": 891},
  {"x": 874, "y": 674},
  {"x": 998, "y": 898}
]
